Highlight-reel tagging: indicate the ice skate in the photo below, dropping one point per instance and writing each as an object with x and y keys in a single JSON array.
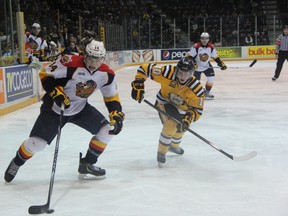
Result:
[
  {"x": 208, "y": 96},
  {"x": 11, "y": 171},
  {"x": 89, "y": 171},
  {"x": 161, "y": 159},
  {"x": 274, "y": 78},
  {"x": 177, "y": 150}
]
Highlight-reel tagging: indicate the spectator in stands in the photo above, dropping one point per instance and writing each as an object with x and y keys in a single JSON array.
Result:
[
  {"x": 53, "y": 52},
  {"x": 249, "y": 40},
  {"x": 72, "y": 49},
  {"x": 65, "y": 36}
]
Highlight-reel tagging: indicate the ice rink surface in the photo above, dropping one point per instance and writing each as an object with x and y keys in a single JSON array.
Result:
[{"x": 250, "y": 112}]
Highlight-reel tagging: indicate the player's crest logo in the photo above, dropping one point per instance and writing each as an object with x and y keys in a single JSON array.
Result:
[
  {"x": 176, "y": 99},
  {"x": 203, "y": 57},
  {"x": 66, "y": 59},
  {"x": 84, "y": 90}
]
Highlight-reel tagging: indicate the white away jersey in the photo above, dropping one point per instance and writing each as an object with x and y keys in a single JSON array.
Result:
[
  {"x": 78, "y": 83},
  {"x": 202, "y": 55}
]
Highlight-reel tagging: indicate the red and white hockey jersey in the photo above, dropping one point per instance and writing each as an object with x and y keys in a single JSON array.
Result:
[
  {"x": 198, "y": 50},
  {"x": 78, "y": 83}
]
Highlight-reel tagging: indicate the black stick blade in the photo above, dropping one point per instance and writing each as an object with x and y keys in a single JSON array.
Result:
[
  {"x": 254, "y": 62},
  {"x": 40, "y": 209}
]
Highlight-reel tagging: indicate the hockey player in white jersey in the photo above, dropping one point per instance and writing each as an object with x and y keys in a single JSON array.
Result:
[
  {"x": 70, "y": 81},
  {"x": 202, "y": 52}
]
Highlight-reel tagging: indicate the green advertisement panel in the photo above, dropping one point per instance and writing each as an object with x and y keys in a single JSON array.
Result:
[{"x": 229, "y": 52}]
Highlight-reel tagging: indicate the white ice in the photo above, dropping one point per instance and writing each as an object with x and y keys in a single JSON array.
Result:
[{"x": 250, "y": 112}]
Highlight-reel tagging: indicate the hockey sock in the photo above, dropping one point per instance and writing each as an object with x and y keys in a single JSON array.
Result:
[
  {"x": 208, "y": 86},
  {"x": 22, "y": 155},
  {"x": 95, "y": 149},
  {"x": 164, "y": 143}
]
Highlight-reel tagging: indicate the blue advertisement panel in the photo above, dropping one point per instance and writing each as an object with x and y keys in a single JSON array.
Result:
[
  {"x": 173, "y": 54},
  {"x": 19, "y": 82}
]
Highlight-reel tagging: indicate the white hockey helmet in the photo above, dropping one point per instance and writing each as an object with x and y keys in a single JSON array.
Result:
[
  {"x": 36, "y": 25},
  {"x": 52, "y": 43},
  {"x": 204, "y": 35},
  {"x": 95, "y": 49}
]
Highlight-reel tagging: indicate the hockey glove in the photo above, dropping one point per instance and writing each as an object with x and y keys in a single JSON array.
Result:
[
  {"x": 59, "y": 97},
  {"x": 222, "y": 66},
  {"x": 35, "y": 63},
  {"x": 185, "y": 122},
  {"x": 116, "y": 120},
  {"x": 138, "y": 91},
  {"x": 195, "y": 66}
]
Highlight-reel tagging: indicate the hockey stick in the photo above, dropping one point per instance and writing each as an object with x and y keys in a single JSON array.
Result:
[
  {"x": 39, "y": 209},
  {"x": 240, "y": 67},
  {"x": 247, "y": 156}
]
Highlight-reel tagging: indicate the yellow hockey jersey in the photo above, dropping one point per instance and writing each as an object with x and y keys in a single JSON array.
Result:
[{"x": 183, "y": 97}]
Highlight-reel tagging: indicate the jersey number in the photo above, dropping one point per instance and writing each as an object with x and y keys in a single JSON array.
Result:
[{"x": 53, "y": 67}]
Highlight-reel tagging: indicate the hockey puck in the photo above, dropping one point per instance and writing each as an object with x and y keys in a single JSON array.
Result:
[{"x": 50, "y": 211}]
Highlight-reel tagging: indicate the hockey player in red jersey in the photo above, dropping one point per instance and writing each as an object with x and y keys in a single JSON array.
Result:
[
  {"x": 202, "y": 52},
  {"x": 70, "y": 81}
]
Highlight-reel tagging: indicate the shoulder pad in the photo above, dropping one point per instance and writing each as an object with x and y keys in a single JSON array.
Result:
[
  {"x": 211, "y": 45},
  {"x": 196, "y": 87},
  {"x": 106, "y": 68},
  {"x": 168, "y": 72},
  {"x": 72, "y": 61},
  {"x": 157, "y": 70},
  {"x": 197, "y": 45}
]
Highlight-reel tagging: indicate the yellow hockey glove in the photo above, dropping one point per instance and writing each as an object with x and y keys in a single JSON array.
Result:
[
  {"x": 138, "y": 91},
  {"x": 116, "y": 120},
  {"x": 222, "y": 66},
  {"x": 185, "y": 122},
  {"x": 59, "y": 97}
]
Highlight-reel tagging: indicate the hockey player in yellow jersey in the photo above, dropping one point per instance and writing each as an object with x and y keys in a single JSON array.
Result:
[{"x": 181, "y": 96}]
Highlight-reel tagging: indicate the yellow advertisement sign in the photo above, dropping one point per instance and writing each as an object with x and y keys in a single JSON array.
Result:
[
  {"x": 102, "y": 34},
  {"x": 228, "y": 52},
  {"x": 261, "y": 51}
]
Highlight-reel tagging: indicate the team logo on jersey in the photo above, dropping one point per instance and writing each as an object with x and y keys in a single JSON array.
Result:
[
  {"x": 66, "y": 59},
  {"x": 176, "y": 99},
  {"x": 203, "y": 57},
  {"x": 166, "y": 54},
  {"x": 84, "y": 90}
]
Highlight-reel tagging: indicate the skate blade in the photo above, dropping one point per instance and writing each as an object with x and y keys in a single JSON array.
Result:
[
  {"x": 89, "y": 177},
  {"x": 171, "y": 150},
  {"x": 161, "y": 165},
  {"x": 209, "y": 98}
]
